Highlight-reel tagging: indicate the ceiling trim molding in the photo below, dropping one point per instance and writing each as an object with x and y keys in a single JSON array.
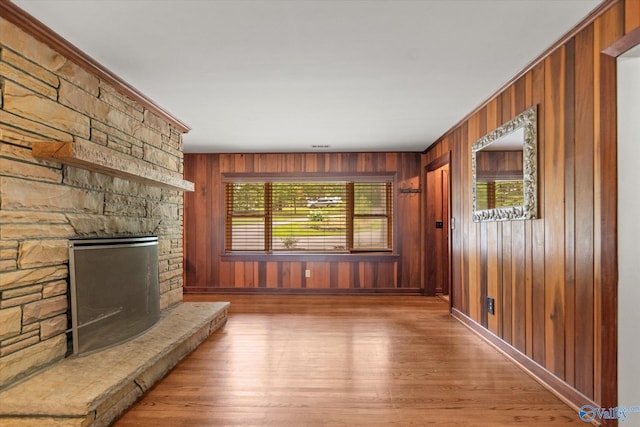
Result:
[
  {"x": 29, "y": 24},
  {"x": 588, "y": 20}
]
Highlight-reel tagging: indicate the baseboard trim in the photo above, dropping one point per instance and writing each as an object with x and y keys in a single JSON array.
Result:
[
  {"x": 303, "y": 291},
  {"x": 551, "y": 382}
]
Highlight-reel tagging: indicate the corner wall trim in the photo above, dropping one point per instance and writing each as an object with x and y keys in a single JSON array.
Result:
[{"x": 555, "y": 385}]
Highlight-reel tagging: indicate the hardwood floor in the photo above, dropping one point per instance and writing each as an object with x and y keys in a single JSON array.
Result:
[{"x": 345, "y": 361}]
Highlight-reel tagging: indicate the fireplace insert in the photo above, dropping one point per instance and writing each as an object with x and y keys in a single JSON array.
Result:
[{"x": 114, "y": 290}]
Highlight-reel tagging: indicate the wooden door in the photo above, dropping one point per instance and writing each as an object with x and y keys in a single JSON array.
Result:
[{"x": 437, "y": 230}]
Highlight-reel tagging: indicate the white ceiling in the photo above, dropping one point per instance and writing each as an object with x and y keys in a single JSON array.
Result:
[{"x": 284, "y": 75}]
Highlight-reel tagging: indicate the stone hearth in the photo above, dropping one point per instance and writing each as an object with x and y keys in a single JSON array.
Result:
[{"x": 94, "y": 390}]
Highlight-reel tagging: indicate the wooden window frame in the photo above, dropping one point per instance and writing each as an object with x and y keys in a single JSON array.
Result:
[{"x": 388, "y": 180}]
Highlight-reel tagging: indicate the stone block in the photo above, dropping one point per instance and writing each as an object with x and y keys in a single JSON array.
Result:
[
  {"x": 30, "y": 359},
  {"x": 48, "y": 197},
  {"x": 124, "y": 210},
  {"x": 10, "y": 322},
  {"x": 123, "y": 122},
  {"x": 38, "y": 253},
  {"x": 18, "y": 169},
  {"x": 171, "y": 298},
  {"x": 148, "y": 135},
  {"x": 176, "y": 283},
  {"x": 116, "y": 405},
  {"x": 8, "y": 264},
  {"x": 25, "y": 103},
  {"x": 10, "y": 73},
  {"x": 25, "y": 335},
  {"x": 80, "y": 77},
  {"x": 15, "y": 279},
  {"x": 155, "y": 122},
  {"x": 26, "y": 341},
  {"x": 37, "y": 131},
  {"x": 164, "y": 246},
  {"x": 168, "y": 275},
  {"x": 114, "y": 132},
  {"x": 177, "y": 260},
  {"x": 53, "y": 326},
  {"x": 21, "y": 300},
  {"x": 172, "y": 197},
  {"x": 30, "y": 217},
  {"x": 122, "y": 147},
  {"x": 164, "y": 287},
  {"x": 29, "y": 47},
  {"x": 31, "y": 327},
  {"x": 29, "y": 67},
  {"x": 99, "y": 137},
  {"x": 122, "y": 103},
  {"x": 44, "y": 309},
  {"x": 54, "y": 288},
  {"x": 137, "y": 152},
  {"x": 175, "y": 139},
  {"x": 25, "y": 290},
  {"x": 34, "y": 231},
  {"x": 84, "y": 178},
  {"x": 162, "y": 210},
  {"x": 82, "y": 101},
  {"x": 169, "y": 148}
]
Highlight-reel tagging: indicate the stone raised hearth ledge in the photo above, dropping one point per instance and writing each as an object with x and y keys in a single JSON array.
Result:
[
  {"x": 93, "y": 157},
  {"x": 96, "y": 389}
]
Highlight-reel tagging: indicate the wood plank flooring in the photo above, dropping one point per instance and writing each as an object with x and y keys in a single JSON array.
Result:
[{"x": 345, "y": 361}]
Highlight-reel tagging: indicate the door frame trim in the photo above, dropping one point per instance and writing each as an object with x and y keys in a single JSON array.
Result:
[{"x": 435, "y": 164}]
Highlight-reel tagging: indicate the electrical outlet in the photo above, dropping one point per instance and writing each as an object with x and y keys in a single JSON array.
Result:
[
  {"x": 491, "y": 305},
  {"x": 307, "y": 273}
]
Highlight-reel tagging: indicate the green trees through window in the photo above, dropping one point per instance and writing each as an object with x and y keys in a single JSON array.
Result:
[{"x": 324, "y": 216}]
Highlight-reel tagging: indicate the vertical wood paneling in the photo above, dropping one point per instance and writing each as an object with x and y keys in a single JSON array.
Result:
[
  {"x": 584, "y": 181},
  {"x": 570, "y": 213},
  {"x": 538, "y": 226},
  {"x": 631, "y": 15},
  {"x": 204, "y": 226},
  {"x": 556, "y": 275},
  {"x": 554, "y": 212},
  {"x": 492, "y": 275},
  {"x": 273, "y": 280},
  {"x": 506, "y": 277},
  {"x": 473, "y": 284},
  {"x": 527, "y": 246},
  {"x": 518, "y": 286}
]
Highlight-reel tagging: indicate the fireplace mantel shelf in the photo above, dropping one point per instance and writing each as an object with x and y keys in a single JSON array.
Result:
[{"x": 94, "y": 157}]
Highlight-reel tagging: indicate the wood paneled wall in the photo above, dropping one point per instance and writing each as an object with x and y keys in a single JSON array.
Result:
[
  {"x": 209, "y": 269},
  {"x": 553, "y": 278}
]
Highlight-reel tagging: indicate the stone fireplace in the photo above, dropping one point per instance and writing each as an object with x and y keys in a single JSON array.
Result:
[{"x": 109, "y": 164}]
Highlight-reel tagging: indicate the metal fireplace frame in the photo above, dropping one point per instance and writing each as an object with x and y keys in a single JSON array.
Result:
[{"x": 117, "y": 257}]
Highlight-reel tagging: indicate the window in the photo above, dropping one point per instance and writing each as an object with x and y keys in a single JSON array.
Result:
[
  {"x": 499, "y": 194},
  {"x": 318, "y": 216}
]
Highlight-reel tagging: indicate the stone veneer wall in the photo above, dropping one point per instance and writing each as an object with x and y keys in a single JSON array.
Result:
[{"x": 46, "y": 97}]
